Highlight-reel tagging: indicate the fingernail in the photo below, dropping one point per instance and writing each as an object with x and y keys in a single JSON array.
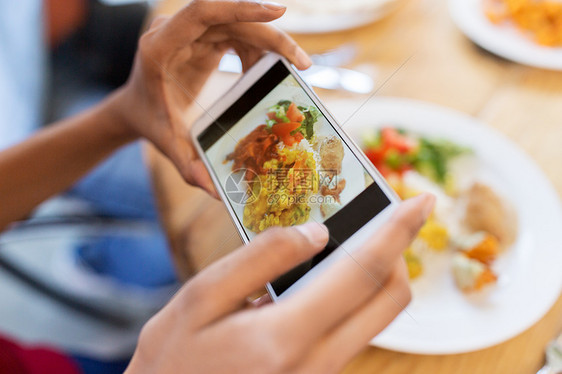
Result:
[
  {"x": 316, "y": 233},
  {"x": 303, "y": 57},
  {"x": 273, "y": 6},
  {"x": 428, "y": 204}
]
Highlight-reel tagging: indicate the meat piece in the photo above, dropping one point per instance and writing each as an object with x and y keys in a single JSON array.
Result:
[
  {"x": 252, "y": 151},
  {"x": 485, "y": 211},
  {"x": 335, "y": 192},
  {"x": 331, "y": 154}
]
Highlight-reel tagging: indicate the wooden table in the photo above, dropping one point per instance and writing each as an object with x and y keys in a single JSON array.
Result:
[{"x": 445, "y": 68}]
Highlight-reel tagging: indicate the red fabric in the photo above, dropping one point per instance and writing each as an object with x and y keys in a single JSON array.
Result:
[{"x": 16, "y": 359}]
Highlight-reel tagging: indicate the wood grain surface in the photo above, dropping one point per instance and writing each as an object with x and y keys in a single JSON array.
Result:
[{"x": 416, "y": 52}]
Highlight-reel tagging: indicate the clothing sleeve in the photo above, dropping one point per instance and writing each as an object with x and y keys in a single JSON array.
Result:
[{"x": 17, "y": 359}]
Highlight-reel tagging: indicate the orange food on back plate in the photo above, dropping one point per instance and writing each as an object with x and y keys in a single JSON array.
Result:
[{"x": 542, "y": 19}]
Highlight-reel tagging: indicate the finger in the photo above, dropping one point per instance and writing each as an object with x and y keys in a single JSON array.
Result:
[
  {"x": 262, "y": 300},
  {"x": 261, "y": 37},
  {"x": 193, "y": 20},
  {"x": 248, "y": 56},
  {"x": 350, "y": 337},
  {"x": 202, "y": 178},
  {"x": 224, "y": 286},
  {"x": 158, "y": 21},
  {"x": 359, "y": 275}
]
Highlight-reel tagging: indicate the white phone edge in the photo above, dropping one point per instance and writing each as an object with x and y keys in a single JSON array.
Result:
[{"x": 229, "y": 98}]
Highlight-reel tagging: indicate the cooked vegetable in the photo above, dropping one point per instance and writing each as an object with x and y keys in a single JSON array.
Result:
[
  {"x": 286, "y": 111},
  {"x": 433, "y": 156},
  {"x": 470, "y": 274},
  {"x": 284, "y": 130},
  {"x": 294, "y": 114},
  {"x": 394, "y": 151},
  {"x": 311, "y": 115},
  {"x": 278, "y": 112},
  {"x": 435, "y": 235},
  {"x": 414, "y": 264},
  {"x": 486, "y": 250}
]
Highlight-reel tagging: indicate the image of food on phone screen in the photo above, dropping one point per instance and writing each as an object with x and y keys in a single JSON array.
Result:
[{"x": 281, "y": 163}]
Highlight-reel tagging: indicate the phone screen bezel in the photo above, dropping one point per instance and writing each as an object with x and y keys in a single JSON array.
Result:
[{"x": 230, "y": 97}]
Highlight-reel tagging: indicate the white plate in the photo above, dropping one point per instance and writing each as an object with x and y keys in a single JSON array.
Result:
[
  {"x": 441, "y": 319},
  {"x": 321, "y": 16},
  {"x": 505, "y": 41}
]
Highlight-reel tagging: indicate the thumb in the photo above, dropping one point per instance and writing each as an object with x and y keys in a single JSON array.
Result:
[{"x": 228, "y": 282}]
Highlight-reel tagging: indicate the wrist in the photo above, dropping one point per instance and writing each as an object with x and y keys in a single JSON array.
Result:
[{"x": 117, "y": 121}]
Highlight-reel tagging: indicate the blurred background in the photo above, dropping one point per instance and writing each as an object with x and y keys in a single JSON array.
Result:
[{"x": 92, "y": 265}]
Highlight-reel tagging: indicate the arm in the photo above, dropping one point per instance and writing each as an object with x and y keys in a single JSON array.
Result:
[
  {"x": 174, "y": 60},
  {"x": 56, "y": 157},
  {"x": 208, "y": 328}
]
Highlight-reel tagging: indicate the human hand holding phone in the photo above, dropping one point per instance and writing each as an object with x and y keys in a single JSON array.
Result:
[
  {"x": 208, "y": 328},
  {"x": 175, "y": 58}
]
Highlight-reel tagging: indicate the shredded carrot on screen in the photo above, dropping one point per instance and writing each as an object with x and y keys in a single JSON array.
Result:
[{"x": 540, "y": 19}]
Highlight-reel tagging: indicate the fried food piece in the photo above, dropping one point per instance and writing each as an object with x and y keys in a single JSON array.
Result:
[
  {"x": 335, "y": 192},
  {"x": 485, "y": 211},
  {"x": 331, "y": 154}
]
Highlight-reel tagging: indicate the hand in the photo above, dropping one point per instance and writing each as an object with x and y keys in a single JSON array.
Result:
[
  {"x": 176, "y": 57},
  {"x": 207, "y": 329}
]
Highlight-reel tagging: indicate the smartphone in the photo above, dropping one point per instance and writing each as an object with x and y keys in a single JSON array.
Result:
[{"x": 279, "y": 158}]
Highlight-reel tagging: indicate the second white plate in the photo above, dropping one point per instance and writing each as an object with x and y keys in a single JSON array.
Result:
[
  {"x": 441, "y": 319},
  {"x": 503, "y": 41}
]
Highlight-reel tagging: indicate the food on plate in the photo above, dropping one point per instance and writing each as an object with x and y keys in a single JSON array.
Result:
[
  {"x": 331, "y": 154},
  {"x": 471, "y": 274},
  {"x": 252, "y": 151},
  {"x": 485, "y": 211},
  {"x": 540, "y": 19},
  {"x": 480, "y": 246},
  {"x": 282, "y": 159},
  {"x": 393, "y": 153},
  {"x": 335, "y": 192},
  {"x": 283, "y": 191},
  {"x": 330, "y": 150},
  {"x": 471, "y": 223}
]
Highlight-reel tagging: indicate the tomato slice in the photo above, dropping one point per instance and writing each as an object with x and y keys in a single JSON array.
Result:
[
  {"x": 384, "y": 170},
  {"x": 376, "y": 155},
  {"x": 294, "y": 114},
  {"x": 284, "y": 129},
  {"x": 393, "y": 139}
]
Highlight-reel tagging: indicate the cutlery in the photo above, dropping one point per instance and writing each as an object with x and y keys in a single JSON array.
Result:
[
  {"x": 322, "y": 76},
  {"x": 553, "y": 357}
]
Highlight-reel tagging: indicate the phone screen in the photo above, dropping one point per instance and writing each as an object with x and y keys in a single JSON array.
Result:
[{"x": 280, "y": 162}]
